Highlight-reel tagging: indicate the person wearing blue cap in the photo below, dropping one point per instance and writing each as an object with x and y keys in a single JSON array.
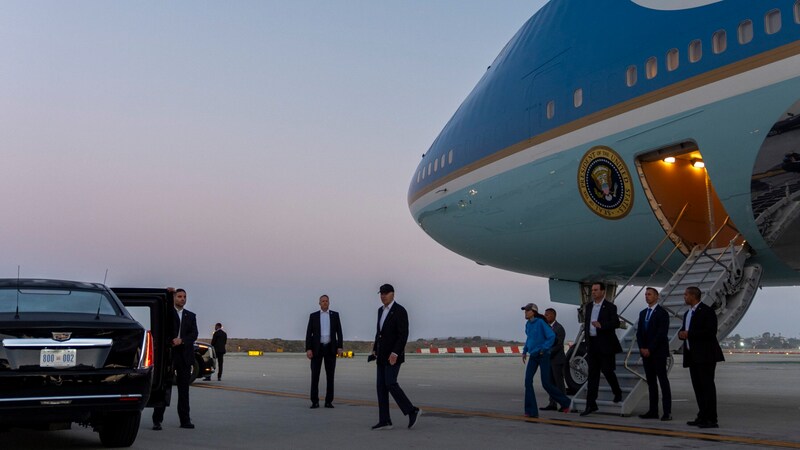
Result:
[{"x": 539, "y": 340}]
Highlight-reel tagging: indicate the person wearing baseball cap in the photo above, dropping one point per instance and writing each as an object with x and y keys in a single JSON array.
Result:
[
  {"x": 388, "y": 351},
  {"x": 539, "y": 340}
]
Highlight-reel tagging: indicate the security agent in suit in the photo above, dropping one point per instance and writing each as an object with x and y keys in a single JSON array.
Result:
[
  {"x": 182, "y": 358},
  {"x": 652, "y": 337},
  {"x": 599, "y": 328},
  {"x": 323, "y": 343},
  {"x": 218, "y": 341},
  {"x": 389, "y": 353},
  {"x": 701, "y": 352},
  {"x": 557, "y": 357}
]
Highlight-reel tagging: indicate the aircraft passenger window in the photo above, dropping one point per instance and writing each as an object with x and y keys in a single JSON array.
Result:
[
  {"x": 577, "y": 98},
  {"x": 695, "y": 51},
  {"x": 442, "y": 163},
  {"x": 745, "y": 31},
  {"x": 429, "y": 168},
  {"x": 772, "y": 21},
  {"x": 720, "y": 41},
  {"x": 797, "y": 11},
  {"x": 436, "y": 165},
  {"x": 551, "y": 109},
  {"x": 673, "y": 59},
  {"x": 630, "y": 76},
  {"x": 423, "y": 173},
  {"x": 651, "y": 67},
  {"x": 450, "y": 157}
]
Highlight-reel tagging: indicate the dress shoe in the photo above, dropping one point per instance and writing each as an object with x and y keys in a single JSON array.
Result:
[
  {"x": 666, "y": 417},
  {"x": 617, "y": 398},
  {"x": 329, "y": 405},
  {"x": 314, "y": 405},
  {"x": 565, "y": 410},
  {"x": 695, "y": 422},
  {"x": 708, "y": 425},
  {"x": 413, "y": 416},
  {"x": 188, "y": 425},
  {"x": 382, "y": 426},
  {"x": 548, "y": 408},
  {"x": 157, "y": 426},
  {"x": 588, "y": 411},
  {"x": 648, "y": 415}
]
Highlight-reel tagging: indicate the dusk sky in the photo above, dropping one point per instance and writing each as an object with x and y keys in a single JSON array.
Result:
[{"x": 257, "y": 154}]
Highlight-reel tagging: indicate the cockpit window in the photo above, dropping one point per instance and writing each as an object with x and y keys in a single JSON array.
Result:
[
  {"x": 797, "y": 11},
  {"x": 56, "y": 301}
]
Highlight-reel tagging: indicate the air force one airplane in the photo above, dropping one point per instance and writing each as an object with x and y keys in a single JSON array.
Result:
[{"x": 630, "y": 141}]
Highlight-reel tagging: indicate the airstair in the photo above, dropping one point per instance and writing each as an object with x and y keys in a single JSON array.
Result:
[{"x": 728, "y": 284}]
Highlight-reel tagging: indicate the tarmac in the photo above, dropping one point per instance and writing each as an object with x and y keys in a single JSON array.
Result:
[{"x": 469, "y": 402}]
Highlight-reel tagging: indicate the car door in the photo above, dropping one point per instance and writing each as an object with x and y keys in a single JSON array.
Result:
[{"x": 150, "y": 307}]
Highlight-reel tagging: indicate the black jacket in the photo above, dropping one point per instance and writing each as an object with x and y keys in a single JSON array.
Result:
[
  {"x": 218, "y": 341},
  {"x": 703, "y": 345},
  {"x": 393, "y": 336},
  {"x": 655, "y": 336},
  {"x": 313, "y": 332},
  {"x": 557, "y": 355},
  {"x": 188, "y": 334},
  {"x": 606, "y": 342}
]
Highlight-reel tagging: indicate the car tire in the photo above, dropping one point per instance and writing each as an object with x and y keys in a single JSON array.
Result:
[
  {"x": 576, "y": 372},
  {"x": 120, "y": 429},
  {"x": 195, "y": 371}
]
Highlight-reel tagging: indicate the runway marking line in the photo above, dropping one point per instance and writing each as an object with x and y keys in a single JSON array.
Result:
[{"x": 556, "y": 422}]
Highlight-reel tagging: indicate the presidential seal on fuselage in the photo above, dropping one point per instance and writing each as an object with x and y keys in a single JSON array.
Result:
[{"x": 605, "y": 183}]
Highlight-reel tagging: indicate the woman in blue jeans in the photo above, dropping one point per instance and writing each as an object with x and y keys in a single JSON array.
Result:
[{"x": 539, "y": 340}]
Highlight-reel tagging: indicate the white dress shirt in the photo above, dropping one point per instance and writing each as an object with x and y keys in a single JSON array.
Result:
[
  {"x": 385, "y": 313},
  {"x": 595, "y": 316},
  {"x": 324, "y": 327}
]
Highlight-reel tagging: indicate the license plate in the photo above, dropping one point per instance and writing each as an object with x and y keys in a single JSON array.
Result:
[{"x": 58, "y": 358}]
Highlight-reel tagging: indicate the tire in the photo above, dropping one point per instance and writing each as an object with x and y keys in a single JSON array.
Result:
[
  {"x": 576, "y": 371},
  {"x": 195, "y": 371},
  {"x": 120, "y": 429}
]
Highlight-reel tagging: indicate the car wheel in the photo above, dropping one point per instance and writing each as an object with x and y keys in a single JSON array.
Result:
[
  {"x": 120, "y": 429},
  {"x": 576, "y": 371},
  {"x": 195, "y": 371}
]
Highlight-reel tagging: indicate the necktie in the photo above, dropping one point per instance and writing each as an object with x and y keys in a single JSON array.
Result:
[{"x": 647, "y": 318}]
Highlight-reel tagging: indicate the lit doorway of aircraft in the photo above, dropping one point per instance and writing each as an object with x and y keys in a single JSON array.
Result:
[{"x": 683, "y": 198}]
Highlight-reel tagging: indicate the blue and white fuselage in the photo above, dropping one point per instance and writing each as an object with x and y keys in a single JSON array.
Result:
[{"x": 542, "y": 169}]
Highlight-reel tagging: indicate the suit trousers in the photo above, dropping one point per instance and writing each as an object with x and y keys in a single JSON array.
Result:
[
  {"x": 328, "y": 356},
  {"x": 705, "y": 390},
  {"x": 557, "y": 373},
  {"x": 534, "y": 361},
  {"x": 599, "y": 362},
  {"x": 387, "y": 384},
  {"x": 183, "y": 374},
  {"x": 220, "y": 360},
  {"x": 655, "y": 370}
]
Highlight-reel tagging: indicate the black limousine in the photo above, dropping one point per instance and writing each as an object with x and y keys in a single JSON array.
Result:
[{"x": 75, "y": 352}]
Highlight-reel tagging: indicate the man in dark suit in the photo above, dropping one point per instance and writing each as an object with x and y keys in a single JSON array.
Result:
[
  {"x": 652, "y": 337},
  {"x": 599, "y": 328},
  {"x": 182, "y": 358},
  {"x": 218, "y": 341},
  {"x": 557, "y": 357},
  {"x": 323, "y": 343},
  {"x": 701, "y": 352},
  {"x": 389, "y": 352}
]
